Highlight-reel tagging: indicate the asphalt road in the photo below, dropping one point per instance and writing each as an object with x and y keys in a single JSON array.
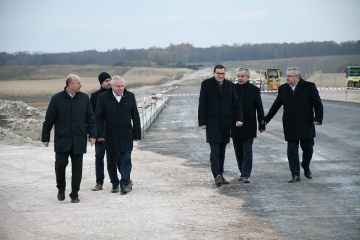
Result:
[{"x": 326, "y": 207}]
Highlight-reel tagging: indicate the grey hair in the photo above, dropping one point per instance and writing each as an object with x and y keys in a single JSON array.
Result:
[
  {"x": 240, "y": 69},
  {"x": 116, "y": 77},
  {"x": 295, "y": 69}
]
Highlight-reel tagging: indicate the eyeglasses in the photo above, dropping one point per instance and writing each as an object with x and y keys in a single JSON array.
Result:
[
  {"x": 220, "y": 74},
  {"x": 288, "y": 76}
]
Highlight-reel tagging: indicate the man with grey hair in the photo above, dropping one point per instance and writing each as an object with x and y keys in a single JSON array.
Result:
[
  {"x": 243, "y": 138},
  {"x": 299, "y": 99},
  {"x": 70, "y": 111},
  {"x": 118, "y": 125}
]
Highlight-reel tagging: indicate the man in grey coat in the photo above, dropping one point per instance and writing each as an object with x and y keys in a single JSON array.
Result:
[
  {"x": 300, "y": 99},
  {"x": 71, "y": 113}
]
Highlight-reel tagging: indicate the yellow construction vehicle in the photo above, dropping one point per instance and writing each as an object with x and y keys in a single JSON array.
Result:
[
  {"x": 353, "y": 76},
  {"x": 272, "y": 76}
]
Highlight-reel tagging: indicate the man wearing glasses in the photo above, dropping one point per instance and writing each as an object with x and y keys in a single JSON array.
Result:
[
  {"x": 218, "y": 103},
  {"x": 299, "y": 99}
]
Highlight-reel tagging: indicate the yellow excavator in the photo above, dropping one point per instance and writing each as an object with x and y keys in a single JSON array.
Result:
[{"x": 272, "y": 76}]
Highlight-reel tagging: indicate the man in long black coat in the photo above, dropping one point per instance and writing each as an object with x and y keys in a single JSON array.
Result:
[
  {"x": 243, "y": 138},
  {"x": 70, "y": 111},
  {"x": 104, "y": 80},
  {"x": 218, "y": 103},
  {"x": 118, "y": 125},
  {"x": 299, "y": 99}
]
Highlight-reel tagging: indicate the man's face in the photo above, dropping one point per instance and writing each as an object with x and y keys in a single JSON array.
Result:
[
  {"x": 291, "y": 78},
  {"x": 219, "y": 74},
  {"x": 106, "y": 83},
  {"x": 75, "y": 86},
  {"x": 118, "y": 87},
  {"x": 242, "y": 78}
]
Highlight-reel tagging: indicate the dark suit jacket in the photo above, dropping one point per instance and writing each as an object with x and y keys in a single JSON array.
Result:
[
  {"x": 250, "y": 99},
  {"x": 298, "y": 106},
  {"x": 118, "y": 123},
  {"x": 216, "y": 110},
  {"x": 72, "y": 117}
]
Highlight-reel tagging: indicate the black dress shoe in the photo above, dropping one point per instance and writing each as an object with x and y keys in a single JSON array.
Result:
[
  {"x": 61, "y": 195},
  {"x": 224, "y": 181},
  {"x": 75, "y": 200},
  {"x": 294, "y": 179},
  {"x": 115, "y": 189},
  {"x": 126, "y": 189},
  {"x": 308, "y": 175},
  {"x": 218, "y": 180}
]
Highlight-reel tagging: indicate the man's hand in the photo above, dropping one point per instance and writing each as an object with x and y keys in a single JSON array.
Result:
[
  {"x": 136, "y": 140},
  {"x": 238, "y": 124},
  {"x": 203, "y": 126},
  {"x": 46, "y": 144},
  {"x": 263, "y": 122},
  {"x": 317, "y": 123},
  {"x": 92, "y": 140},
  {"x": 100, "y": 139},
  {"x": 261, "y": 130}
]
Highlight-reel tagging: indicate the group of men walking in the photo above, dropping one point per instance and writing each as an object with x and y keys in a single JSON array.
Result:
[
  {"x": 110, "y": 120},
  {"x": 229, "y": 110},
  {"x": 113, "y": 128}
]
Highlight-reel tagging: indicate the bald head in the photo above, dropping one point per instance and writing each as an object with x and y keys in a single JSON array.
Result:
[{"x": 73, "y": 83}]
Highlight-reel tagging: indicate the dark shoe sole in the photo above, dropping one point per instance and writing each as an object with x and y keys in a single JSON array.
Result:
[
  {"x": 75, "y": 200},
  {"x": 126, "y": 189},
  {"x": 308, "y": 175},
  {"x": 294, "y": 180}
]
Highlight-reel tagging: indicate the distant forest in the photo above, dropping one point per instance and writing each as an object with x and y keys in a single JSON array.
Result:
[{"x": 184, "y": 53}]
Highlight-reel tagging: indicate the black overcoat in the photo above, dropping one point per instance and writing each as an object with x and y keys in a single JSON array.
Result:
[
  {"x": 216, "y": 110},
  {"x": 298, "y": 110},
  {"x": 73, "y": 119},
  {"x": 250, "y": 99},
  {"x": 117, "y": 122}
]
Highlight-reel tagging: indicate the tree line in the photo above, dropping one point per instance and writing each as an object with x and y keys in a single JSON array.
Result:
[{"x": 184, "y": 53}]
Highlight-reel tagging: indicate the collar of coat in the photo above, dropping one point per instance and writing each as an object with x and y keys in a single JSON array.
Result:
[
  {"x": 125, "y": 93},
  {"x": 245, "y": 85},
  {"x": 67, "y": 94},
  {"x": 215, "y": 86},
  {"x": 299, "y": 86}
]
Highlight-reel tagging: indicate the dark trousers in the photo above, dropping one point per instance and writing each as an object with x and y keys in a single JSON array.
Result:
[
  {"x": 293, "y": 155},
  {"x": 61, "y": 161},
  {"x": 217, "y": 158},
  {"x": 99, "y": 162},
  {"x": 244, "y": 155},
  {"x": 122, "y": 162}
]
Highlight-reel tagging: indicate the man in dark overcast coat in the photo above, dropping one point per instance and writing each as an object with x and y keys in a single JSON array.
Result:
[
  {"x": 118, "y": 125},
  {"x": 243, "y": 137},
  {"x": 104, "y": 80},
  {"x": 218, "y": 103},
  {"x": 70, "y": 111},
  {"x": 299, "y": 99}
]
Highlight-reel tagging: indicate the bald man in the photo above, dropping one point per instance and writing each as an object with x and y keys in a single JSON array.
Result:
[{"x": 71, "y": 113}]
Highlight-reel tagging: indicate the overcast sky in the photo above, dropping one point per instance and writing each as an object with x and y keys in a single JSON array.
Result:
[{"x": 77, "y": 25}]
